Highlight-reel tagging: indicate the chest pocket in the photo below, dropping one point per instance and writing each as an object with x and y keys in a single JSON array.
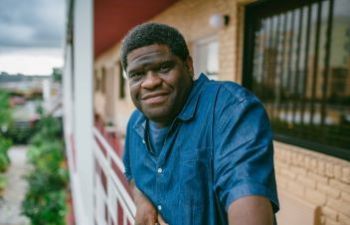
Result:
[{"x": 195, "y": 182}]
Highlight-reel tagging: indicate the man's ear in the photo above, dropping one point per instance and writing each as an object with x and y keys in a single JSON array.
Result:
[{"x": 189, "y": 65}]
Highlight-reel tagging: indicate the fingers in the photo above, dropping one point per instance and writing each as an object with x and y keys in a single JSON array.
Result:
[
  {"x": 149, "y": 219},
  {"x": 145, "y": 216},
  {"x": 161, "y": 220}
]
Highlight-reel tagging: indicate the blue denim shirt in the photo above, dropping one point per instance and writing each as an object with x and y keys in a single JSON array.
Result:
[{"x": 217, "y": 150}]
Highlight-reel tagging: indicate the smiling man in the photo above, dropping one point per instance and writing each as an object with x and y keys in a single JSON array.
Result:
[
  {"x": 159, "y": 82},
  {"x": 196, "y": 152}
]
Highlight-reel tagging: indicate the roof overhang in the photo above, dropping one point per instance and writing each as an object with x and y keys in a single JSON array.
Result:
[{"x": 113, "y": 19}]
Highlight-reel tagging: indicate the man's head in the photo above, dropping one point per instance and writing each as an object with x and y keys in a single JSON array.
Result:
[
  {"x": 153, "y": 33},
  {"x": 159, "y": 70}
]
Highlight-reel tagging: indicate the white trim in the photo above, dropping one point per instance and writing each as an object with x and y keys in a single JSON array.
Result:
[
  {"x": 81, "y": 119},
  {"x": 116, "y": 192},
  {"x": 109, "y": 149},
  {"x": 195, "y": 49},
  {"x": 81, "y": 215}
]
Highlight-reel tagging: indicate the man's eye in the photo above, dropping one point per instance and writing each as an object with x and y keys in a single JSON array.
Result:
[
  {"x": 136, "y": 75},
  {"x": 164, "y": 68}
]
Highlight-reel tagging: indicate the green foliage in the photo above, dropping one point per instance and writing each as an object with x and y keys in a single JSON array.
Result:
[
  {"x": 18, "y": 132},
  {"x": 5, "y": 112},
  {"x": 2, "y": 182},
  {"x": 45, "y": 199},
  {"x": 47, "y": 208},
  {"x": 48, "y": 129},
  {"x": 5, "y": 144},
  {"x": 20, "y": 135},
  {"x": 57, "y": 74},
  {"x": 4, "y": 158}
]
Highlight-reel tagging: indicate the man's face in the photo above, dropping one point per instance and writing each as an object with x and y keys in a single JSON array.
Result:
[{"x": 159, "y": 82}]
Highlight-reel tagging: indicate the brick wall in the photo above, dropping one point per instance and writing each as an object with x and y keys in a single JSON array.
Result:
[
  {"x": 194, "y": 24},
  {"x": 316, "y": 178}
]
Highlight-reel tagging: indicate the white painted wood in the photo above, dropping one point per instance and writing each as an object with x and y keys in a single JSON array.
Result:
[
  {"x": 83, "y": 114},
  {"x": 116, "y": 193}
]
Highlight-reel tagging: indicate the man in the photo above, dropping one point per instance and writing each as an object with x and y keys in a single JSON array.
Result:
[{"x": 196, "y": 152}]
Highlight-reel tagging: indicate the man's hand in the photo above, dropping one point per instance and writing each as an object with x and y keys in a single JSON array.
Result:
[
  {"x": 146, "y": 214},
  {"x": 145, "y": 211},
  {"x": 161, "y": 221},
  {"x": 251, "y": 210}
]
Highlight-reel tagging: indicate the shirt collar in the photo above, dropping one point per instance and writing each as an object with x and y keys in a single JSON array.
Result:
[
  {"x": 140, "y": 125},
  {"x": 189, "y": 109},
  {"x": 186, "y": 113}
]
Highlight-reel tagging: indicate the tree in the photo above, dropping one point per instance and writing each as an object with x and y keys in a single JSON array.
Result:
[{"x": 57, "y": 74}]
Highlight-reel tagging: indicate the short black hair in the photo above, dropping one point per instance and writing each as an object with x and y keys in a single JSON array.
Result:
[{"x": 153, "y": 33}]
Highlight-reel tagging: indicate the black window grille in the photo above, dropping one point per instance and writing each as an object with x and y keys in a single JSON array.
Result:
[
  {"x": 103, "y": 80},
  {"x": 297, "y": 61},
  {"x": 121, "y": 82}
]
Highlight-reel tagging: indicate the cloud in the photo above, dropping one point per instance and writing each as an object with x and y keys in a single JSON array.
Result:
[
  {"x": 30, "y": 61},
  {"x": 32, "y": 23}
]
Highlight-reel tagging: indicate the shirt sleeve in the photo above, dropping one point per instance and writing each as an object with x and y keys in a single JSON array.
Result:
[
  {"x": 126, "y": 154},
  {"x": 243, "y": 155}
]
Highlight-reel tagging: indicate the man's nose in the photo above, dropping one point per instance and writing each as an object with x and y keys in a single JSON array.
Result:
[{"x": 151, "y": 80}]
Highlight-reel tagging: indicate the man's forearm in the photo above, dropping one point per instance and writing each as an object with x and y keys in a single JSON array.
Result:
[
  {"x": 146, "y": 214},
  {"x": 136, "y": 193},
  {"x": 251, "y": 210}
]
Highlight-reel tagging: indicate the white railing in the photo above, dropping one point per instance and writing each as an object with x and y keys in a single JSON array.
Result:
[{"x": 113, "y": 204}]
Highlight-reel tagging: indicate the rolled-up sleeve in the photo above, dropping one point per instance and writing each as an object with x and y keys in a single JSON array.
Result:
[
  {"x": 126, "y": 155},
  {"x": 243, "y": 155}
]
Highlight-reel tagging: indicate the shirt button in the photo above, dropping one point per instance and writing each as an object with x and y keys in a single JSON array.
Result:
[
  {"x": 143, "y": 141},
  {"x": 160, "y": 170},
  {"x": 159, "y": 207}
]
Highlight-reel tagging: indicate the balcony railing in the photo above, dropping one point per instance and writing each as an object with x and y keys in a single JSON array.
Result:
[{"x": 113, "y": 204}]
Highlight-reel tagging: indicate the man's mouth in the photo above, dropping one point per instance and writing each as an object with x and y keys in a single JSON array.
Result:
[{"x": 155, "y": 98}]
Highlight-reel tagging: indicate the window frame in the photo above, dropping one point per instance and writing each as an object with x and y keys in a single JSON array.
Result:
[
  {"x": 196, "y": 46},
  {"x": 250, "y": 24}
]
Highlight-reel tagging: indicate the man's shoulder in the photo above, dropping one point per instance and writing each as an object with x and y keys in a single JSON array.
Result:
[{"x": 232, "y": 91}]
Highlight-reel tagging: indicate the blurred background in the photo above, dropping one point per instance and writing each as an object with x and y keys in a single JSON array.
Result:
[
  {"x": 33, "y": 172},
  {"x": 64, "y": 101}
]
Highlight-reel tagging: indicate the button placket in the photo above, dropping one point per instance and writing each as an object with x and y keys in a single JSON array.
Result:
[{"x": 159, "y": 184}]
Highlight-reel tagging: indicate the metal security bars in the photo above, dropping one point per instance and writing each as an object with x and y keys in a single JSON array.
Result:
[{"x": 297, "y": 61}]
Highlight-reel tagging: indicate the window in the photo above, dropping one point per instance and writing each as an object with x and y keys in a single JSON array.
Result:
[
  {"x": 103, "y": 81},
  {"x": 121, "y": 82},
  {"x": 294, "y": 62},
  {"x": 206, "y": 57},
  {"x": 96, "y": 80}
]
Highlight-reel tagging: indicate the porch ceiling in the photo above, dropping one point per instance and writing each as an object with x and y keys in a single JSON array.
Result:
[{"x": 113, "y": 18}]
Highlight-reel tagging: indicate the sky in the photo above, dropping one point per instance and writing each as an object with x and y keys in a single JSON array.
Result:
[{"x": 31, "y": 37}]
